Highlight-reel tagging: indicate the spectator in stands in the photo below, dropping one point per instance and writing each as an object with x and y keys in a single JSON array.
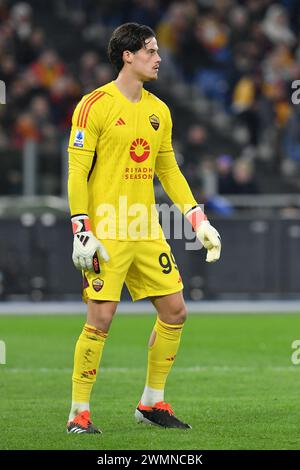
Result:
[
  {"x": 291, "y": 136},
  {"x": 245, "y": 105},
  {"x": 145, "y": 12},
  {"x": 87, "y": 70},
  {"x": 276, "y": 26},
  {"x": 25, "y": 129},
  {"x": 239, "y": 57},
  {"x": 64, "y": 94},
  {"x": 48, "y": 68},
  {"x": 224, "y": 164},
  {"x": 243, "y": 178}
]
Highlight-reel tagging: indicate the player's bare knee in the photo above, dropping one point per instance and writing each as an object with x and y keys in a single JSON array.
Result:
[
  {"x": 100, "y": 314},
  {"x": 177, "y": 315},
  {"x": 182, "y": 314}
]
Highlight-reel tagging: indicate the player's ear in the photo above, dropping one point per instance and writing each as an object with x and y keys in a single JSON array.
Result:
[{"x": 127, "y": 57}]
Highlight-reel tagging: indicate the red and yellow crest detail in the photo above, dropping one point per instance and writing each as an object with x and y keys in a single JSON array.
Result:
[
  {"x": 97, "y": 284},
  {"x": 154, "y": 121},
  {"x": 139, "y": 150}
]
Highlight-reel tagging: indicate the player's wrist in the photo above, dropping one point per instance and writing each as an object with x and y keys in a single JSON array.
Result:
[
  {"x": 80, "y": 223},
  {"x": 196, "y": 217}
]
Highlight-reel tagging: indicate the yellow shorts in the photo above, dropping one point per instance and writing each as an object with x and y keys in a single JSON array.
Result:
[{"x": 147, "y": 267}]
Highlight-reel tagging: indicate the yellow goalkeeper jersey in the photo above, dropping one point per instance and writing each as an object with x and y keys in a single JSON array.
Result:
[{"x": 115, "y": 149}]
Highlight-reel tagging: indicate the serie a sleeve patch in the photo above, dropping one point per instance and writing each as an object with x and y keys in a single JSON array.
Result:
[{"x": 79, "y": 138}]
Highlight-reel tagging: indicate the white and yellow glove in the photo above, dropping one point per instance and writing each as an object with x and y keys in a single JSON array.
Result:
[
  {"x": 206, "y": 233},
  {"x": 86, "y": 247}
]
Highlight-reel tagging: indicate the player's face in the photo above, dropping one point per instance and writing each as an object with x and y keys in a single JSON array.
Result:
[{"x": 145, "y": 62}]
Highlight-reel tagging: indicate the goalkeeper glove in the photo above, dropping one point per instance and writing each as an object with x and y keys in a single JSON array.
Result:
[
  {"x": 86, "y": 247},
  {"x": 206, "y": 233}
]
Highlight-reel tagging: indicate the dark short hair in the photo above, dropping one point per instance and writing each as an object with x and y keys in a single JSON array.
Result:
[{"x": 127, "y": 37}]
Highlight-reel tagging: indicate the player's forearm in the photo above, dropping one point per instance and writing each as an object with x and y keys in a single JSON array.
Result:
[
  {"x": 177, "y": 188},
  {"x": 77, "y": 184}
]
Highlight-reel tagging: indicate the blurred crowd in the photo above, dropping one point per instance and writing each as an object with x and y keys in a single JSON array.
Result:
[{"x": 239, "y": 58}]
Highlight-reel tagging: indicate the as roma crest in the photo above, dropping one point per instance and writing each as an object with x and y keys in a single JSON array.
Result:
[
  {"x": 154, "y": 121},
  {"x": 97, "y": 284}
]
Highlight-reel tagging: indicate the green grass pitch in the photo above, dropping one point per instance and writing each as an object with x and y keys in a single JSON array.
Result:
[{"x": 233, "y": 381}]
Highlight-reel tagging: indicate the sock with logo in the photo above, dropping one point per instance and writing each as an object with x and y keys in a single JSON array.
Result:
[
  {"x": 163, "y": 347},
  {"x": 87, "y": 358}
]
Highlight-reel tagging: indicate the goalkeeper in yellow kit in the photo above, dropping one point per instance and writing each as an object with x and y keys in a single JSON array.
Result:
[{"x": 121, "y": 137}]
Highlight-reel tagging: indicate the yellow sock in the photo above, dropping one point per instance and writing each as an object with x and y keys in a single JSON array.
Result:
[
  {"x": 161, "y": 355},
  {"x": 87, "y": 358}
]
